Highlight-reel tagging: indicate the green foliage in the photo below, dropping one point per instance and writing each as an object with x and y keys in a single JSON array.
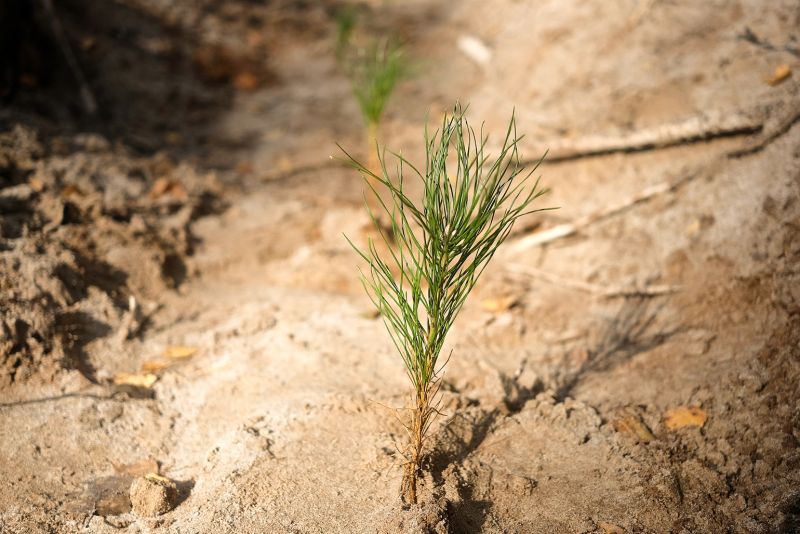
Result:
[
  {"x": 442, "y": 244},
  {"x": 374, "y": 65},
  {"x": 346, "y": 19},
  {"x": 375, "y": 73}
]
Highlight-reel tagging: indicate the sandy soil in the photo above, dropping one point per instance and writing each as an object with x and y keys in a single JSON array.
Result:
[{"x": 204, "y": 194}]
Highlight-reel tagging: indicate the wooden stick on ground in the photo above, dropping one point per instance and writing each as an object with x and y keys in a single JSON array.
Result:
[
  {"x": 568, "y": 229},
  {"x": 692, "y": 130},
  {"x": 695, "y": 129},
  {"x": 663, "y": 136},
  {"x": 774, "y": 128},
  {"x": 603, "y": 291}
]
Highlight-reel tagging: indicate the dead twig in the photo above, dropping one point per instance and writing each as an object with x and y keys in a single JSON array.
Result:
[
  {"x": 692, "y": 130},
  {"x": 772, "y": 130},
  {"x": 739, "y": 124},
  {"x": 596, "y": 289},
  {"x": 565, "y": 230},
  {"x": 117, "y": 396}
]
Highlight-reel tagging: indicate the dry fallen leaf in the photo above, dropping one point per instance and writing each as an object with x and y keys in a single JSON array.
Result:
[
  {"x": 88, "y": 42},
  {"x": 179, "y": 352},
  {"x": 244, "y": 167},
  {"x": 164, "y": 186},
  {"x": 71, "y": 191},
  {"x": 254, "y": 39},
  {"x": 693, "y": 227},
  {"x": 499, "y": 304},
  {"x": 130, "y": 379},
  {"x": 160, "y": 187},
  {"x": 633, "y": 426},
  {"x": 284, "y": 164},
  {"x": 178, "y": 191},
  {"x": 36, "y": 184},
  {"x": 246, "y": 81},
  {"x": 685, "y": 416},
  {"x": 781, "y": 73},
  {"x": 154, "y": 366},
  {"x": 610, "y": 528}
]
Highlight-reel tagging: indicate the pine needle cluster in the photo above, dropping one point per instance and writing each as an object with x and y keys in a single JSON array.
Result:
[
  {"x": 373, "y": 63},
  {"x": 437, "y": 250}
]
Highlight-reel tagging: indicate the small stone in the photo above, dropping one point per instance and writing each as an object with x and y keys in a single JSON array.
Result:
[{"x": 153, "y": 495}]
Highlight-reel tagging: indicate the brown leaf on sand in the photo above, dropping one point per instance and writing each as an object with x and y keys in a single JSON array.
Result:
[
  {"x": 163, "y": 187},
  {"x": 71, "y": 191},
  {"x": 499, "y": 304},
  {"x": 154, "y": 366},
  {"x": 246, "y": 81},
  {"x": 178, "y": 192},
  {"x": 36, "y": 184},
  {"x": 632, "y": 425},
  {"x": 179, "y": 352},
  {"x": 160, "y": 187},
  {"x": 781, "y": 73},
  {"x": 610, "y": 528},
  {"x": 130, "y": 379},
  {"x": 255, "y": 39},
  {"x": 683, "y": 416},
  {"x": 244, "y": 168},
  {"x": 284, "y": 164},
  {"x": 137, "y": 469}
]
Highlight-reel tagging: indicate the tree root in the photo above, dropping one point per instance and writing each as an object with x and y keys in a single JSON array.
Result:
[
  {"x": 772, "y": 130},
  {"x": 692, "y": 130}
]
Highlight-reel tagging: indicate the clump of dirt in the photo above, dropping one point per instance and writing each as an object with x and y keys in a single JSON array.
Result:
[
  {"x": 428, "y": 516},
  {"x": 153, "y": 495},
  {"x": 89, "y": 233}
]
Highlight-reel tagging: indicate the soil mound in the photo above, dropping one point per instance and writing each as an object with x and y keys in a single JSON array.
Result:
[{"x": 90, "y": 234}]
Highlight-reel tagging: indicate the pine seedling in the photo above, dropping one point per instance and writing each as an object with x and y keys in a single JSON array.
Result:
[
  {"x": 374, "y": 68},
  {"x": 374, "y": 72},
  {"x": 375, "y": 75},
  {"x": 346, "y": 17},
  {"x": 440, "y": 247}
]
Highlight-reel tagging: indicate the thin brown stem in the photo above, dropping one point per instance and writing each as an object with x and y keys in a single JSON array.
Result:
[{"x": 420, "y": 420}]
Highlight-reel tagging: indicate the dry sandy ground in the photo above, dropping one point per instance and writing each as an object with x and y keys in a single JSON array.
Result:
[{"x": 562, "y": 371}]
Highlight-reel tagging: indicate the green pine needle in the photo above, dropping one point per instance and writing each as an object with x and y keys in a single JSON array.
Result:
[
  {"x": 440, "y": 246},
  {"x": 375, "y": 72},
  {"x": 346, "y": 18}
]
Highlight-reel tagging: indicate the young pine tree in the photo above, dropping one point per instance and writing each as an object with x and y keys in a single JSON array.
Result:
[{"x": 440, "y": 245}]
